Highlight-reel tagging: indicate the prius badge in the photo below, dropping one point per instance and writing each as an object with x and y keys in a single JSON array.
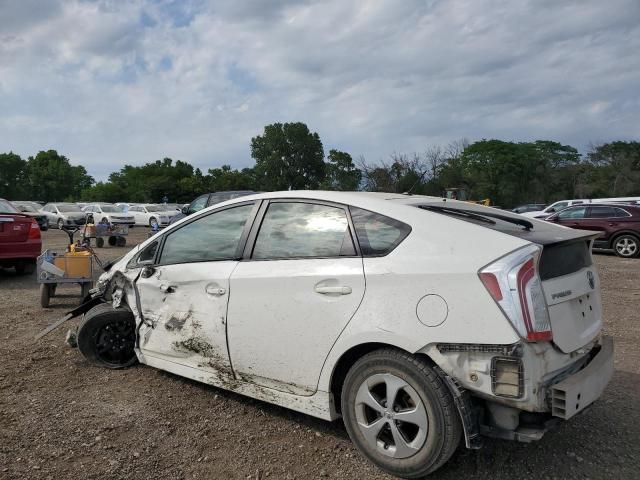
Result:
[{"x": 591, "y": 279}]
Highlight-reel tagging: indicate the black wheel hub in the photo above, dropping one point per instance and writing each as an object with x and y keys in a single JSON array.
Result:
[{"x": 115, "y": 342}]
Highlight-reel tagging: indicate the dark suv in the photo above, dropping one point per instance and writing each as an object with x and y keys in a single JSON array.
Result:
[
  {"x": 207, "y": 200},
  {"x": 619, "y": 224}
]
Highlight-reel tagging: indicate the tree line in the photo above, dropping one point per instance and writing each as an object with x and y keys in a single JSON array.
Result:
[{"x": 290, "y": 156}]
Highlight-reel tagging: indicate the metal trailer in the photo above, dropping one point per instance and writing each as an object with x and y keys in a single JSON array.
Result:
[
  {"x": 115, "y": 234},
  {"x": 70, "y": 267}
]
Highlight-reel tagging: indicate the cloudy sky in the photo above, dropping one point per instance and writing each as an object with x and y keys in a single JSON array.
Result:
[{"x": 114, "y": 82}]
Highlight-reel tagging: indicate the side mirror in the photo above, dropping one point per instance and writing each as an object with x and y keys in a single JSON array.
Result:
[
  {"x": 147, "y": 271},
  {"x": 551, "y": 210}
]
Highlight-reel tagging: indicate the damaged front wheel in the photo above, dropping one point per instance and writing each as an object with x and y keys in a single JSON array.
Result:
[{"x": 106, "y": 336}]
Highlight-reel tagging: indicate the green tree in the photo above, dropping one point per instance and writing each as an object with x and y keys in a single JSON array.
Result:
[
  {"x": 617, "y": 171},
  {"x": 51, "y": 177},
  {"x": 288, "y": 157},
  {"x": 501, "y": 171},
  {"x": 226, "y": 178},
  {"x": 104, "y": 192},
  {"x": 12, "y": 176},
  {"x": 341, "y": 173}
]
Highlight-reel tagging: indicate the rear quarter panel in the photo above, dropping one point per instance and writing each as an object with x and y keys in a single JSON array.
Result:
[{"x": 441, "y": 256}]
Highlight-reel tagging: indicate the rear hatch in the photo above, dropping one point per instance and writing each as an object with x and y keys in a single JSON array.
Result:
[
  {"x": 572, "y": 290},
  {"x": 14, "y": 228},
  {"x": 569, "y": 280}
]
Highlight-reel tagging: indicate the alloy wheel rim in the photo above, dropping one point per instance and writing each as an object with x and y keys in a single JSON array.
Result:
[
  {"x": 626, "y": 246},
  {"x": 391, "y": 416}
]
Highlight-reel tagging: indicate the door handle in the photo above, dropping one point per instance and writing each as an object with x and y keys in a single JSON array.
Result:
[
  {"x": 341, "y": 290},
  {"x": 168, "y": 288},
  {"x": 217, "y": 291}
]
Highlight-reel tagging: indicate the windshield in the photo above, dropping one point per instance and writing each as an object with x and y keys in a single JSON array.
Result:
[
  {"x": 110, "y": 209},
  {"x": 68, "y": 207},
  {"x": 153, "y": 208},
  {"x": 6, "y": 207},
  {"x": 26, "y": 208}
]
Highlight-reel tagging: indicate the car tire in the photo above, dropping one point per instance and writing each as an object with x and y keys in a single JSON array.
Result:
[
  {"x": 60, "y": 224},
  {"x": 105, "y": 220},
  {"x": 112, "y": 241},
  {"x": 106, "y": 337},
  {"x": 418, "y": 432},
  {"x": 626, "y": 246},
  {"x": 153, "y": 222},
  {"x": 45, "y": 294}
]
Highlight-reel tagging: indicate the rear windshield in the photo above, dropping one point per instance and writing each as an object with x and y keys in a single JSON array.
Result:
[
  {"x": 565, "y": 250},
  {"x": 564, "y": 258},
  {"x": 6, "y": 207}
]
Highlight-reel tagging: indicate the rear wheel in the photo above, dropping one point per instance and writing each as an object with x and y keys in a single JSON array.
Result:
[
  {"x": 106, "y": 337},
  {"x": 60, "y": 223},
  {"x": 400, "y": 414},
  {"x": 45, "y": 294},
  {"x": 626, "y": 246}
]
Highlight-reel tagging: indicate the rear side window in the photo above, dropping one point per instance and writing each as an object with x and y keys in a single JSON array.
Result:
[
  {"x": 378, "y": 235},
  {"x": 601, "y": 212},
  {"x": 607, "y": 212},
  {"x": 303, "y": 230}
]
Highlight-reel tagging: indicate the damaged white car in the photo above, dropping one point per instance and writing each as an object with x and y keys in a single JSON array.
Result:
[{"x": 422, "y": 322}]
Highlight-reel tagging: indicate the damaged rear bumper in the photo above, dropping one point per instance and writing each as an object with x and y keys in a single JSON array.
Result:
[{"x": 575, "y": 393}]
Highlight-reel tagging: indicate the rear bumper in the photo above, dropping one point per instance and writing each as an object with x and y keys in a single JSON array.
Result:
[
  {"x": 29, "y": 250},
  {"x": 575, "y": 393}
]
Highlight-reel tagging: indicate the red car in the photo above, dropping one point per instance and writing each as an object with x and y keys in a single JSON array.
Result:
[
  {"x": 20, "y": 241},
  {"x": 619, "y": 224}
]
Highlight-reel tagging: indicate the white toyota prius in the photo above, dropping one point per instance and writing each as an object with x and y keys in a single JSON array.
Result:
[{"x": 421, "y": 322}]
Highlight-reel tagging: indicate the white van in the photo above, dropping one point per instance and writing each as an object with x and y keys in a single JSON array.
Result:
[{"x": 555, "y": 207}]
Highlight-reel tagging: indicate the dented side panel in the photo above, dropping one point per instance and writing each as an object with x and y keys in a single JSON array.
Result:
[{"x": 184, "y": 315}]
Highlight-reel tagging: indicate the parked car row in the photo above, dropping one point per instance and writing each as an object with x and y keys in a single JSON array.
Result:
[
  {"x": 544, "y": 211},
  {"x": 148, "y": 214}
]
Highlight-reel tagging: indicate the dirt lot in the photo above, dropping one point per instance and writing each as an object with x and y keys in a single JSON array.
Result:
[{"x": 62, "y": 418}]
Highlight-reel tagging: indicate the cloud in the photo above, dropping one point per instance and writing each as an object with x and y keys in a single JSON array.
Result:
[{"x": 108, "y": 83}]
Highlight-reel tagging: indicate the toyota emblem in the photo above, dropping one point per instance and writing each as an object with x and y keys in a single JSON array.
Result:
[{"x": 591, "y": 279}]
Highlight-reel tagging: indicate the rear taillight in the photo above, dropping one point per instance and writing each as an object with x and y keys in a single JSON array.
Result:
[
  {"x": 514, "y": 283},
  {"x": 34, "y": 231}
]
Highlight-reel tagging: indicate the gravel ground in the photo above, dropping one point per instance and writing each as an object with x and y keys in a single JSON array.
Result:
[{"x": 62, "y": 418}]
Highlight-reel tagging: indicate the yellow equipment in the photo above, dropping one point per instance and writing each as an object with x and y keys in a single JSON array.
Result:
[{"x": 458, "y": 193}]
